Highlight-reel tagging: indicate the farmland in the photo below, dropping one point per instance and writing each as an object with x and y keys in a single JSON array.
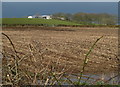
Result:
[
  {"x": 60, "y": 49},
  {"x": 35, "y": 21}
]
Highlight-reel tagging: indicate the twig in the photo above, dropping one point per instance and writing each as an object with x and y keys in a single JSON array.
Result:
[
  {"x": 86, "y": 59},
  {"x": 16, "y": 62},
  {"x": 10, "y": 41},
  {"x": 111, "y": 78}
]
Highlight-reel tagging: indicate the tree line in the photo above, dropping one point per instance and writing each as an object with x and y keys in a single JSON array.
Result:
[{"x": 88, "y": 18}]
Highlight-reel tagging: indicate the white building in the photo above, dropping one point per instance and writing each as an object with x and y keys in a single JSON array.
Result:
[
  {"x": 46, "y": 17},
  {"x": 30, "y": 16},
  {"x": 41, "y": 16},
  {"x": 36, "y": 16}
]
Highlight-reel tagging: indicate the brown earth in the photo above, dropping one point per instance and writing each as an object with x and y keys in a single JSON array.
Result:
[{"x": 64, "y": 48}]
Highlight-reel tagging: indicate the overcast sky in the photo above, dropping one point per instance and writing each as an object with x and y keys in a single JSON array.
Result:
[{"x": 60, "y": 0}]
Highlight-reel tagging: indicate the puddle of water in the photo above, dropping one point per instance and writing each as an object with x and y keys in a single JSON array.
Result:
[
  {"x": 111, "y": 78},
  {"x": 92, "y": 79}
]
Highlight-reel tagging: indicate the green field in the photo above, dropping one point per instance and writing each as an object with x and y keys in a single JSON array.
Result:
[{"x": 36, "y": 21}]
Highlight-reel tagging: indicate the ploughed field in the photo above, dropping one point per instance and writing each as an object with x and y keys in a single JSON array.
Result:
[{"x": 62, "y": 49}]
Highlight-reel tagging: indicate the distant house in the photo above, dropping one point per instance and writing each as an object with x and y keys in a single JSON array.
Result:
[
  {"x": 30, "y": 16},
  {"x": 46, "y": 17},
  {"x": 41, "y": 16},
  {"x": 36, "y": 16},
  {"x": 61, "y": 18}
]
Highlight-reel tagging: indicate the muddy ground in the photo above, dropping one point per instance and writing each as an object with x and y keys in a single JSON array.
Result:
[{"x": 64, "y": 48}]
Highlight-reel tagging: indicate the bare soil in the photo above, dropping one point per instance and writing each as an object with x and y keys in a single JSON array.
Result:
[{"x": 64, "y": 48}]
